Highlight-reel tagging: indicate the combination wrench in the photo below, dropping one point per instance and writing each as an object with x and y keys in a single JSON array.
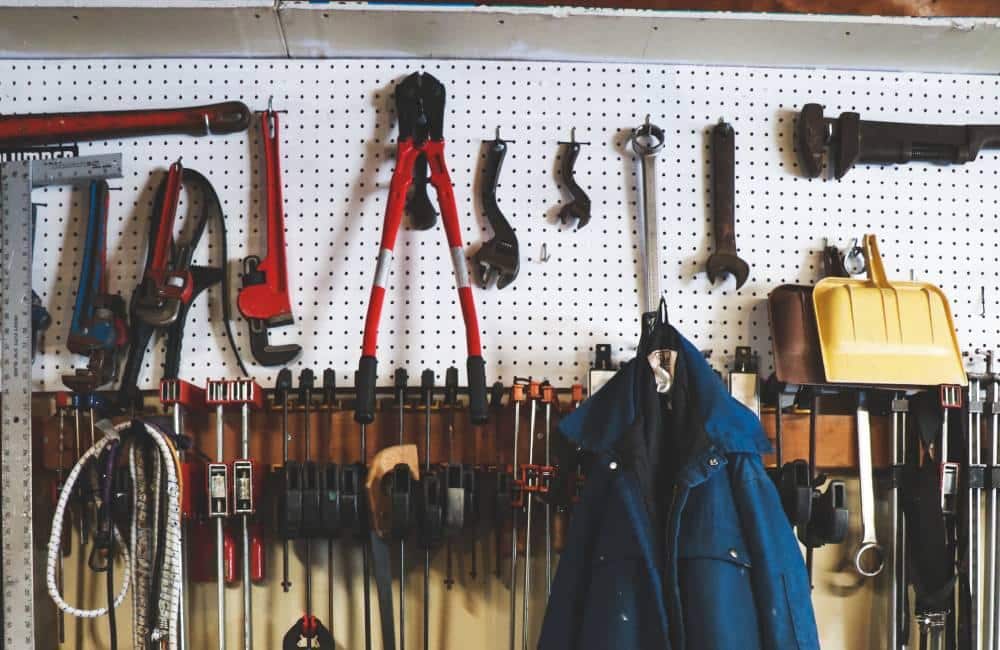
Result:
[
  {"x": 647, "y": 140},
  {"x": 870, "y": 558}
]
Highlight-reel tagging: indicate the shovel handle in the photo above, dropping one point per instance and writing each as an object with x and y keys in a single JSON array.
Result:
[{"x": 876, "y": 271}]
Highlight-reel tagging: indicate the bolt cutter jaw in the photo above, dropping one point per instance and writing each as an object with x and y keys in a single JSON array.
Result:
[{"x": 420, "y": 108}]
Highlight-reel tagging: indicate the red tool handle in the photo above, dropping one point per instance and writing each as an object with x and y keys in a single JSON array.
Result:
[
  {"x": 270, "y": 299},
  {"x": 257, "y": 554},
  {"x": 53, "y": 128},
  {"x": 229, "y": 555},
  {"x": 158, "y": 264}
]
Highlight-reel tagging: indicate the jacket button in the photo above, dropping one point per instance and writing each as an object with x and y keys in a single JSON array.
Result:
[
  {"x": 713, "y": 461},
  {"x": 733, "y": 554},
  {"x": 613, "y": 465}
]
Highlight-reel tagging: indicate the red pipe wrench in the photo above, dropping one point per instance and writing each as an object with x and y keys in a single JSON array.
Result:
[
  {"x": 420, "y": 102},
  {"x": 264, "y": 299}
]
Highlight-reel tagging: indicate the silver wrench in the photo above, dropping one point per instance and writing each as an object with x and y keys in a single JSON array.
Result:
[
  {"x": 647, "y": 140},
  {"x": 870, "y": 558}
]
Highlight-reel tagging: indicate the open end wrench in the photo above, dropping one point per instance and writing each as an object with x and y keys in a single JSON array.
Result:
[
  {"x": 870, "y": 557},
  {"x": 725, "y": 260},
  {"x": 647, "y": 140},
  {"x": 499, "y": 257},
  {"x": 579, "y": 207}
]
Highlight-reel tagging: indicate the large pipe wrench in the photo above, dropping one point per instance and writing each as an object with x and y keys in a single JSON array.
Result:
[
  {"x": 264, "y": 299},
  {"x": 97, "y": 329}
]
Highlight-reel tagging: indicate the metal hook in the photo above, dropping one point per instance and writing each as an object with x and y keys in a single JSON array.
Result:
[
  {"x": 270, "y": 103},
  {"x": 544, "y": 255},
  {"x": 208, "y": 127}
]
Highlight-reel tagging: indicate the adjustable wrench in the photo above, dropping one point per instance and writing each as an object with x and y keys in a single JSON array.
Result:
[
  {"x": 725, "y": 260},
  {"x": 579, "y": 207},
  {"x": 869, "y": 559},
  {"x": 264, "y": 299},
  {"x": 647, "y": 140},
  {"x": 499, "y": 257}
]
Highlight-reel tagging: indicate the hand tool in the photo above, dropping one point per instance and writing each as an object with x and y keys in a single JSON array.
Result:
[
  {"x": 97, "y": 329},
  {"x": 454, "y": 513},
  {"x": 332, "y": 516},
  {"x": 423, "y": 216},
  {"x": 528, "y": 482},
  {"x": 744, "y": 382},
  {"x": 182, "y": 397},
  {"x": 402, "y": 505},
  {"x": 500, "y": 479},
  {"x": 168, "y": 262},
  {"x": 853, "y": 140},
  {"x": 389, "y": 484},
  {"x": 602, "y": 371},
  {"x": 290, "y": 500},
  {"x": 899, "y": 616},
  {"x": 53, "y": 128},
  {"x": 725, "y": 260},
  {"x": 973, "y": 482},
  {"x": 17, "y": 179},
  {"x": 991, "y": 569},
  {"x": 499, "y": 257},
  {"x": 951, "y": 400},
  {"x": 265, "y": 299},
  {"x": 517, "y": 396},
  {"x": 869, "y": 558},
  {"x": 647, "y": 140},
  {"x": 420, "y": 106},
  {"x": 431, "y": 518},
  {"x": 548, "y": 398},
  {"x": 367, "y": 534},
  {"x": 247, "y": 394},
  {"x": 217, "y": 395},
  {"x": 579, "y": 207}
]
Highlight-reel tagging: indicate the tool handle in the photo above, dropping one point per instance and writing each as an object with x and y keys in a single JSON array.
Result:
[
  {"x": 53, "y": 128},
  {"x": 257, "y": 554},
  {"x": 478, "y": 409},
  {"x": 229, "y": 556},
  {"x": 488, "y": 192},
  {"x": 364, "y": 382},
  {"x": 876, "y": 270},
  {"x": 162, "y": 244},
  {"x": 724, "y": 187}
]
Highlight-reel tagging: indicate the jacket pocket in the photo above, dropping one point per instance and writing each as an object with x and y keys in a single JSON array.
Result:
[{"x": 716, "y": 595}]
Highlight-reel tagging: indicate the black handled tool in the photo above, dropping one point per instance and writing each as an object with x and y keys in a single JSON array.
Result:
[
  {"x": 852, "y": 140},
  {"x": 725, "y": 260},
  {"x": 579, "y": 207},
  {"x": 499, "y": 257}
]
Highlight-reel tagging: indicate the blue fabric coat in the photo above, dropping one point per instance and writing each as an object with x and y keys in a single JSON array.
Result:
[{"x": 679, "y": 541}]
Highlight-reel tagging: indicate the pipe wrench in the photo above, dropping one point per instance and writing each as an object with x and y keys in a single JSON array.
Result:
[
  {"x": 97, "y": 329},
  {"x": 264, "y": 299}
]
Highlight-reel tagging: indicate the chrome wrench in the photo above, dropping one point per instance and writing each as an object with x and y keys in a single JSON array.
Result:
[
  {"x": 647, "y": 140},
  {"x": 870, "y": 558},
  {"x": 898, "y": 617},
  {"x": 975, "y": 472}
]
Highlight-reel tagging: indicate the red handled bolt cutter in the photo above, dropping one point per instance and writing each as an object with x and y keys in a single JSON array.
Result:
[
  {"x": 420, "y": 107},
  {"x": 264, "y": 299}
]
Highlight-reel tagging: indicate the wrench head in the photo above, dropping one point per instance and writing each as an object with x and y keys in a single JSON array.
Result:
[
  {"x": 499, "y": 259},
  {"x": 574, "y": 210},
  {"x": 265, "y": 353},
  {"x": 721, "y": 264},
  {"x": 811, "y": 139}
]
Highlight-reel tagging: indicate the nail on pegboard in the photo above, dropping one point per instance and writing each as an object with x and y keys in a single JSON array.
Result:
[{"x": 338, "y": 155}]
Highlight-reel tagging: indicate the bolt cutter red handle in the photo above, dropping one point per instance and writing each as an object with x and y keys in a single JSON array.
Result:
[{"x": 420, "y": 106}]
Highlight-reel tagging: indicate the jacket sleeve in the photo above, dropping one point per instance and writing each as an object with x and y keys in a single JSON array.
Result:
[
  {"x": 564, "y": 613},
  {"x": 778, "y": 573}
]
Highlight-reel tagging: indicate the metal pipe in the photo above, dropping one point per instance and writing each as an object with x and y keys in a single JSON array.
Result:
[
  {"x": 525, "y": 597},
  {"x": 365, "y": 559},
  {"x": 992, "y": 568},
  {"x": 513, "y": 526},
  {"x": 247, "y": 594},
  {"x": 220, "y": 560},
  {"x": 184, "y": 639},
  {"x": 897, "y": 576},
  {"x": 974, "y": 511}
]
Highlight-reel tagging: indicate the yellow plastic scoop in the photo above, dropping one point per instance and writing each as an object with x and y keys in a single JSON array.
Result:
[{"x": 874, "y": 332}]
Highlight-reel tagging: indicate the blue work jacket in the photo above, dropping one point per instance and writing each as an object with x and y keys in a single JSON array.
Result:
[{"x": 679, "y": 541}]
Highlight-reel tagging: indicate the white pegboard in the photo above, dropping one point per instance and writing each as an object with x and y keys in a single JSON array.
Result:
[{"x": 338, "y": 154}]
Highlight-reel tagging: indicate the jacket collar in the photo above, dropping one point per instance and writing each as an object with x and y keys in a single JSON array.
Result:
[{"x": 598, "y": 423}]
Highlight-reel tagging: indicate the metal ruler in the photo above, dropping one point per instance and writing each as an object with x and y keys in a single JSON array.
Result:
[{"x": 17, "y": 179}]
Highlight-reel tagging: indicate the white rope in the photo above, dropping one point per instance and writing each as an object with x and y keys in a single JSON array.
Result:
[
  {"x": 55, "y": 539},
  {"x": 171, "y": 571}
]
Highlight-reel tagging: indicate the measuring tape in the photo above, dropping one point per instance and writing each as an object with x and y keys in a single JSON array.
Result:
[{"x": 17, "y": 180}]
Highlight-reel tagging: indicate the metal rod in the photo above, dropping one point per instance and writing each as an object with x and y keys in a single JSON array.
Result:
[
  {"x": 247, "y": 594},
  {"x": 365, "y": 558},
  {"x": 427, "y": 469},
  {"x": 548, "y": 506},
  {"x": 513, "y": 532},
  {"x": 974, "y": 512},
  {"x": 402, "y": 546},
  {"x": 286, "y": 584},
  {"x": 184, "y": 639},
  {"x": 307, "y": 403},
  {"x": 525, "y": 597},
  {"x": 897, "y": 577},
  {"x": 220, "y": 560},
  {"x": 61, "y": 619},
  {"x": 992, "y": 568}
]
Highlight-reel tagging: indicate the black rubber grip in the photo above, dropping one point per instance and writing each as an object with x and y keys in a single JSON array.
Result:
[
  {"x": 364, "y": 382},
  {"x": 477, "y": 390}
]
